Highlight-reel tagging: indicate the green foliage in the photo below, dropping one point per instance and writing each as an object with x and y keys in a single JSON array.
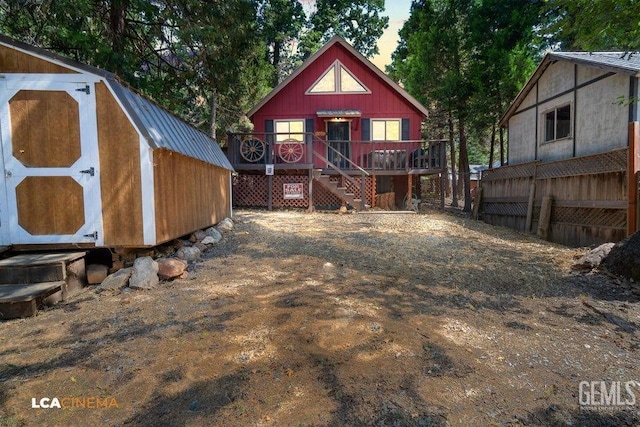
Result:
[
  {"x": 357, "y": 21},
  {"x": 592, "y": 25}
]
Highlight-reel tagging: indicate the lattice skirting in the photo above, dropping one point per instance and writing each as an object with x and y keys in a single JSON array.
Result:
[{"x": 253, "y": 191}]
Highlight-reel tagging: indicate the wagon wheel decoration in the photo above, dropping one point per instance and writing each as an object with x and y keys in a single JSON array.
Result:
[
  {"x": 252, "y": 150},
  {"x": 290, "y": 150}
]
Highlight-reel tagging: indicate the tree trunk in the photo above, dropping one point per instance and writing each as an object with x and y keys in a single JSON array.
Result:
[
  {"x": 464, "y": 165},
  {"x": 277, "y": 46},
  {"x": 452, "y": 147},
  {"x": 117, "y": 26},
  {"x": 214, "y": 112}
]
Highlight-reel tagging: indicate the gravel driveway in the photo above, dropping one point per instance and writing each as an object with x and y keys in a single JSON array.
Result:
[{"x": 300, "y": 319}]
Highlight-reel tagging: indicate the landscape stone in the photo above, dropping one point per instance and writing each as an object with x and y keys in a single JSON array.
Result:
[
  {"x": 200, "y": 246},
  {"x": 225, "y": 225},
  {"x": 188, "y": 253},
  {"x": 594, "y": 257},
  {"x": 214, "y": 233},
  {"x": 209, "y": 241},
  {"x": 200, "y": 234},
  {"x": 170, "y": 268},
  {"x": 145, "y": 274},
  {"x": 116, "y": 281},
  {"x": 96, "y": 273}
]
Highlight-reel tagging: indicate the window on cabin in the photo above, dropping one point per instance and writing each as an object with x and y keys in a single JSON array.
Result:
[
  {"x": 337, "y": 79},
  {"x": 385, "y": 129},
  {"x": 288, "y": 130},
  {"x": 557, "y": 123}
]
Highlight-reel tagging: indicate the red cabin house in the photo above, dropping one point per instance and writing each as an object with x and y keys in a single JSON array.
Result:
[{"x": 340, "y": 122}]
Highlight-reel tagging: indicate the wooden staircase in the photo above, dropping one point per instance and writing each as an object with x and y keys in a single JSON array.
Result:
[
  {"x": 31, "y": 280},
  {"x": 339, "y": 192}
]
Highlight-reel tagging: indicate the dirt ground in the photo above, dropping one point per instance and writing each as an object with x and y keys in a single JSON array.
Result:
[{"x": 321, "y": 319}]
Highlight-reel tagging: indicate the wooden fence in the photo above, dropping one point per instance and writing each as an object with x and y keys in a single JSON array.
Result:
[{"x": 577, "y": 202}]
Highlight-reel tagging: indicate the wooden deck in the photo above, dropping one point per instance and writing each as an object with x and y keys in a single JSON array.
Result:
[{"x": 252, "y": 152}]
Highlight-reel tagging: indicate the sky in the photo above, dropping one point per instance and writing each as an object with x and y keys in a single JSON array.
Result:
[{"x": 398, "y": 13}]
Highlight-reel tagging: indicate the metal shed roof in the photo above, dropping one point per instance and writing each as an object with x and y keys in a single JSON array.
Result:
[{"x": 160, "y": 128}]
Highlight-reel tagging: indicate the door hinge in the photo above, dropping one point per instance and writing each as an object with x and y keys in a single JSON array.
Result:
[
  {"x": 85, "y": 89},
  {"x": 93, "y": 235},
  {"x": 91, "y": 171}
]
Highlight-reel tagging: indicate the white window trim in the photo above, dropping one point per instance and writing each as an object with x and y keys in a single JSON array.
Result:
[
  {"x": 543, "y": 123},
  {"x": 393, "y": 119},
  {"x": 336, "y": 69},
  {"x": 275, "y": 127}
]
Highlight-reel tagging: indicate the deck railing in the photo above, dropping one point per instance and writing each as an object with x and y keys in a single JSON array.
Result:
[{"x": 255, "y": 150}]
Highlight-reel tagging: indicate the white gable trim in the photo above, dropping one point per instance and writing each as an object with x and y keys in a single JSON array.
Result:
[{"x": 336, "y": 69}]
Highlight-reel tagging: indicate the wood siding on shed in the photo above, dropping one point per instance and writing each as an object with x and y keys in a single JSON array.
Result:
[
  {"x": 14, "y": 61},
  {"x": 189, "y": 194},
  {"x": 120, "y": 180}
]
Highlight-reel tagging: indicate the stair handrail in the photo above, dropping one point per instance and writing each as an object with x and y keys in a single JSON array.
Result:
[
  {"x": 363, "y": 173},
  {"x": 342, "y": 156}
]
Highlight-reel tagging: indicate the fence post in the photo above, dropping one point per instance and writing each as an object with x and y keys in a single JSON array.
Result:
[
  {"x": 363, "y": 194},
  {"x": 632, "y": 179},
  {"x": 545, "y": 217}
]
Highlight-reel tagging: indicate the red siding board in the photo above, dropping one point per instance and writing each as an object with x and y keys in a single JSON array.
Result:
[{"x": 383, "y": 101}]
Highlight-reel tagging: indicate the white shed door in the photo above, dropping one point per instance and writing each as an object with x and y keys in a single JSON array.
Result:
[{"x": 50, "y": 156}]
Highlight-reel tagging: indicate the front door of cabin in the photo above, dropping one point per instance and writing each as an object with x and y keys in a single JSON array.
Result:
[
  {"x": 338, "y": 137},
  {"x": 50, "y": 164}
]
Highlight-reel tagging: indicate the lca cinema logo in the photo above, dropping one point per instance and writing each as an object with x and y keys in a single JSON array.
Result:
[
  {"x": 73, "y": 402},
  {"x": 608, "y": 394}
]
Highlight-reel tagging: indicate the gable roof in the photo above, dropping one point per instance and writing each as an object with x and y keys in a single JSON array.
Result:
[
  {"x": 159, "y": 128},
  {"x": 339, "y": 40},
  {"x": 615, "y": 62}
]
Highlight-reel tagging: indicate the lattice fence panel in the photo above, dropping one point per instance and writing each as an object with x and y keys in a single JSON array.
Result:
[
  {"x": 250, "y": 191},
  {"x": 278, "y": 192},
  {"x": 323, "y": 198},
  {"x": 612, "y": 161},
  {"x": 507, "y": 172},
  {"x": 505, "y": 209},
  {"x": 610, "y": 218}
]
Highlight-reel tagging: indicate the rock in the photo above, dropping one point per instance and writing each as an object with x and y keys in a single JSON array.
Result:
[
  {"x": 200, "y": 234},
  {"x": 209, "y": 241},
  {"x": 189, "y": 254},
  {"x": 594, "y": 257},
  {"x": 200, "y": 246},
  {"x": 116, "y": 281},
  {"x": 192, "y": 238},
  {"x": 170, "y": 268},
  {"x": 225, "y": 225},
  {"x": 342, "y": 210},
  {"x": 624, "y": 257},
  {"x": 214, "y": 233},
  {"x": 145, "y": 274},
  {"x": 96, "y": 273}
]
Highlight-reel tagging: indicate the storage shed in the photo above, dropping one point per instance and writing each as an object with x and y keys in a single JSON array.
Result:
[{"x": 88, "y": 162}]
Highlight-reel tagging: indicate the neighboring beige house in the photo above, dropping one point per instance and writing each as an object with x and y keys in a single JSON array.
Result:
[
  {"x": 575, "y": 104},
  {"x": 573, "y": 134}
]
